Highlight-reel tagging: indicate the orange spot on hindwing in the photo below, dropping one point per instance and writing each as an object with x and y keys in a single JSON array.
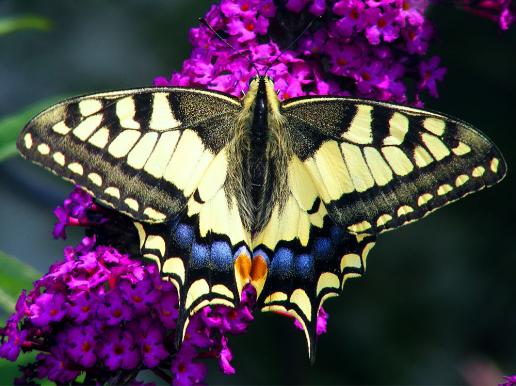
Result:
[
  {"x": 242, "y": 269},
  {"x": 259, "y": 271}
]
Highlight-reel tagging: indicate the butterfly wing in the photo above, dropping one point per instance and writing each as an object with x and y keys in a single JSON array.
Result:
[
  {"x": 378, "y": 166},
  {"x": 360, "y": 168},
  {"x": 304, "y": 273},
  {"x": 159, "y": 156},
  {"x": 142, "y": 152}
]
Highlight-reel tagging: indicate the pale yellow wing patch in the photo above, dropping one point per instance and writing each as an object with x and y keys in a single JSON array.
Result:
[{"x": 302, "y": 210}]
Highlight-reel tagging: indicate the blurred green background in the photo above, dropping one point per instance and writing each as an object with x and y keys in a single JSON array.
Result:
[{"x": 438, "y": 303}]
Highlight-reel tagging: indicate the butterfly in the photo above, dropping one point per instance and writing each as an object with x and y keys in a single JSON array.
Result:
[{"x": 287, "y": 196}]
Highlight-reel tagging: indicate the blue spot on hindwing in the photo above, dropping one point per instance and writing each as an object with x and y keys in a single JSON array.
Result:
[
  {"x": 184, "y": 236},
  {"x": 221, "y": 255},
  {"x": 304, "y": 266},
  {"x": 337, "y": 234},
  {"x": 322, "y": 248},
  {"x": 200, "y": 255},
  {"x": 282, "y": 262}
]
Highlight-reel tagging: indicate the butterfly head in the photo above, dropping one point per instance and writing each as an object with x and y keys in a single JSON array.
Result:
[
  {"x": 257, "y": 80},
  {"x": 261, "y": 87}
]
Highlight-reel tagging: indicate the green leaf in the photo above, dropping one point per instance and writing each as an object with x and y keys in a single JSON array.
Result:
[
  {"x": 15, "y": 276},
  {"x": 10, "y": 126},
  {"x": 13, "y": 24},
  {"x": 9, "y": 370}
]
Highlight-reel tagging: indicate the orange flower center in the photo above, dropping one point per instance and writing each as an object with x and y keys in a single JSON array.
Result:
[{"x": 86, "y": 346}]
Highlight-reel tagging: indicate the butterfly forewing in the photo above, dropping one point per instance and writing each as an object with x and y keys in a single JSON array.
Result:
[
  {"x": 378, "y": 166},
  {"x": 143, "y": 152}
]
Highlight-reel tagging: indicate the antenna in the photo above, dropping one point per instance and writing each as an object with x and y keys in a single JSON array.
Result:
[
  {"x": 291, "y": 43},
  {"x": 202, "y": 20}
]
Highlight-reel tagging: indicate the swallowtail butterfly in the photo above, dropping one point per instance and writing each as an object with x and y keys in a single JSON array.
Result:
[{"x": 286, "y": 195}]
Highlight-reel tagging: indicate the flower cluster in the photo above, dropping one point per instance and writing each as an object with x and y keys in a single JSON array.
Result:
[
  {"x": 371, "y": 48},
  {"x": 363, "y": 48},
  {"x": 102, "y": 313}
]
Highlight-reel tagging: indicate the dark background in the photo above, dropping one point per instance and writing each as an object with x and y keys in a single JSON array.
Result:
[{"x": 439, "y": 298}]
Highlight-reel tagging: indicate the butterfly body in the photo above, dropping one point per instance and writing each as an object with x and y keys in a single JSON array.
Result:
[{"x": 287, "y": 196}]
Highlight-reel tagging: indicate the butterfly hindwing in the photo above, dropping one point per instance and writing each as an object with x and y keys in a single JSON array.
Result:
[
  {"x": 142, "y": 152},
  {"x": 302, "y": 276},
  {"x": 198, "y": 253},
  {"x": 378, "y": 166}
]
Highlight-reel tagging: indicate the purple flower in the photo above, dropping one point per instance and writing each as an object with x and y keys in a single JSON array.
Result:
[
  {"x": 185, "y": 370},
  {"x": 234, "y": 320},
  {"x": 83, "y": 306},
  {"x": 317, "y": 7},
  {"x": 114, "y": 310},
  {"x": 345, "y": 60},
  {"x": 140, "y": 295},
  {"x": 505, "y": 19},
  {"x": 496, "y": 10},
  {"x": 73, "y": 212},
  {"x": 382, "y": 25},
  {"x": 417, "y": 38},
  {"x": 48, "y": 308},
  {"x": 56, "y": 366},
  {"x": 430, "y": 74},
  {"x": 119, "y": 350},
  {"x": 411, "y": 11},
  {"x": 238, "y": 9},
  {"x": 151, "y": 338},
  {"x": 225, "y": 358},
  {"x": 10, "y": 348},
  {"x": 167, "y": 307},
  {"x": 81, "y": 342},
  {"x": 353, "y": 16},
  {"x": 296, "y": 5},
  {"x": 198, "y": 334}
]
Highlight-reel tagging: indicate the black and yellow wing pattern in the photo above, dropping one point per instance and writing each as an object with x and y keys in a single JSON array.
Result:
[
  {"x": 336, "y": 173},
  {"x": 360, "y": 168},
  {"x": 157, "y": 156}
]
